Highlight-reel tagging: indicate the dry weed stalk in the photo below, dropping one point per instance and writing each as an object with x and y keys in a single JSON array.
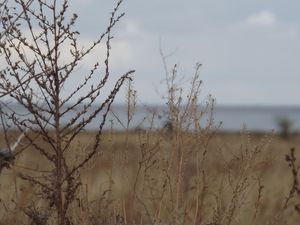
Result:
[
  {"x": 34, "y": 36},
  {"x": 295, "y": 189},
  {"x": 162, "y": 192},
  {"x": 175, "y": 179}
]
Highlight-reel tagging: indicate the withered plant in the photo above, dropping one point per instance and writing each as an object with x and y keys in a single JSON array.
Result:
[
  {"x": 180, "y": 173},
  {"x": 294, "y": 168},
  {"x": 37, "y": 94},
  {"x": 169, "y": 183}
]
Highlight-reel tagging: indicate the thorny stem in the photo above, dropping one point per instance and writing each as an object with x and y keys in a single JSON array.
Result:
[{"x": 42, "y": 76}]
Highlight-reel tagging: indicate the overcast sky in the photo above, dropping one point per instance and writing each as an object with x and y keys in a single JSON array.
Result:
[{"x": 250, "y": 50}]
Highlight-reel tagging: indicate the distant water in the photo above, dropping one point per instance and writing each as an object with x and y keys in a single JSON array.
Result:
[
  {"x": 233, "y": 118},
  {"x": 256, "y": 118}
]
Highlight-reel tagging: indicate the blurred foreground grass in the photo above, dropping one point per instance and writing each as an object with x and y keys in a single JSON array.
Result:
[{"x": 153, "y": 177}]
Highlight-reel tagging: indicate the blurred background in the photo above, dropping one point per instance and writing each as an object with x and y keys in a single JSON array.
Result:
[{"x": 250, "y": 53}]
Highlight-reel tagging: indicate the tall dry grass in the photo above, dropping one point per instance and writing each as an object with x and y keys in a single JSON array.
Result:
[{"x": 183, "y": 173}]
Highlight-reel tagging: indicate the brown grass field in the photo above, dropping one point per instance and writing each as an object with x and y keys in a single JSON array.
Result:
[
  {"x": 183, "y": 173},
  {"x": 157, "y": 178}
]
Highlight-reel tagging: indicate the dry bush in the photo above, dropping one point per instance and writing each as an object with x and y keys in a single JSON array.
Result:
[
  {"x": 294, "y": 168},
  {"x": 182, "y": 173},
  {"x": 189, "y": 174},
  {"x": 34, "y": 37}
]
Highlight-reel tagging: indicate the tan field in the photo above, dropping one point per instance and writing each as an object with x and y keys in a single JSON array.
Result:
[{"x": 158, "y": 178}]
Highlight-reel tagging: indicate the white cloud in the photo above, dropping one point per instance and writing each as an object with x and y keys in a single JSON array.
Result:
[
  {"x": 132, "y": 28},
  {"x": 264, "y": 18},
  {"x": 265, "y": 24},
  {"x": 128, "y": 46}
]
